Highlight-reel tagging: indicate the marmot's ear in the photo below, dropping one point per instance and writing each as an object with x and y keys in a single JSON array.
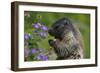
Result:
[
  {"x": 64, "y": 20},
  {"x": 67, "y": 21}
]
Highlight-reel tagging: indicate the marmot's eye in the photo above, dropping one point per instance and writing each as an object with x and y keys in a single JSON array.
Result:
[
  {"x": 56, "y": 27},
  {"x": 59, "y": 27}
]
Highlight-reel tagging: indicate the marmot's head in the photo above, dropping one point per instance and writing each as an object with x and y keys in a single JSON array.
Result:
[{"x": 60, "y": 28}]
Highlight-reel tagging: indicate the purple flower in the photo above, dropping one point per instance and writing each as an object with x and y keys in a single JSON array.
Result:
[
  {"x": 27, "y": 36},
  {"x": 39, "y": 57},
  {"x": 44, "y": 28},
  {"x": 41, "y": 51},
  {"x": 42, "y": 57},
  {"x": 43, "y": 34},
  {"x": 36, "y": 26},
  {"x": 45, "y": 58},
  {"x": 34, "y": 51}
]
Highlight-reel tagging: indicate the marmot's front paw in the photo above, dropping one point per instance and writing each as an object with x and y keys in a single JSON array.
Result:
[{"x": 51, "y": 42}]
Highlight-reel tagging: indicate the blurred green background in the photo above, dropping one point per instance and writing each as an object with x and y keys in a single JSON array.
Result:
[{"x": 47, "y": 18}]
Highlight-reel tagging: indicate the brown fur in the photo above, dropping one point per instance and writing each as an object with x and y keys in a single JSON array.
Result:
[{"x": 69, "y": 42}]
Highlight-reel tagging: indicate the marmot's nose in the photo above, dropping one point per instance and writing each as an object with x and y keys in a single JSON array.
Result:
[{"x": 51, "y": 32}]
